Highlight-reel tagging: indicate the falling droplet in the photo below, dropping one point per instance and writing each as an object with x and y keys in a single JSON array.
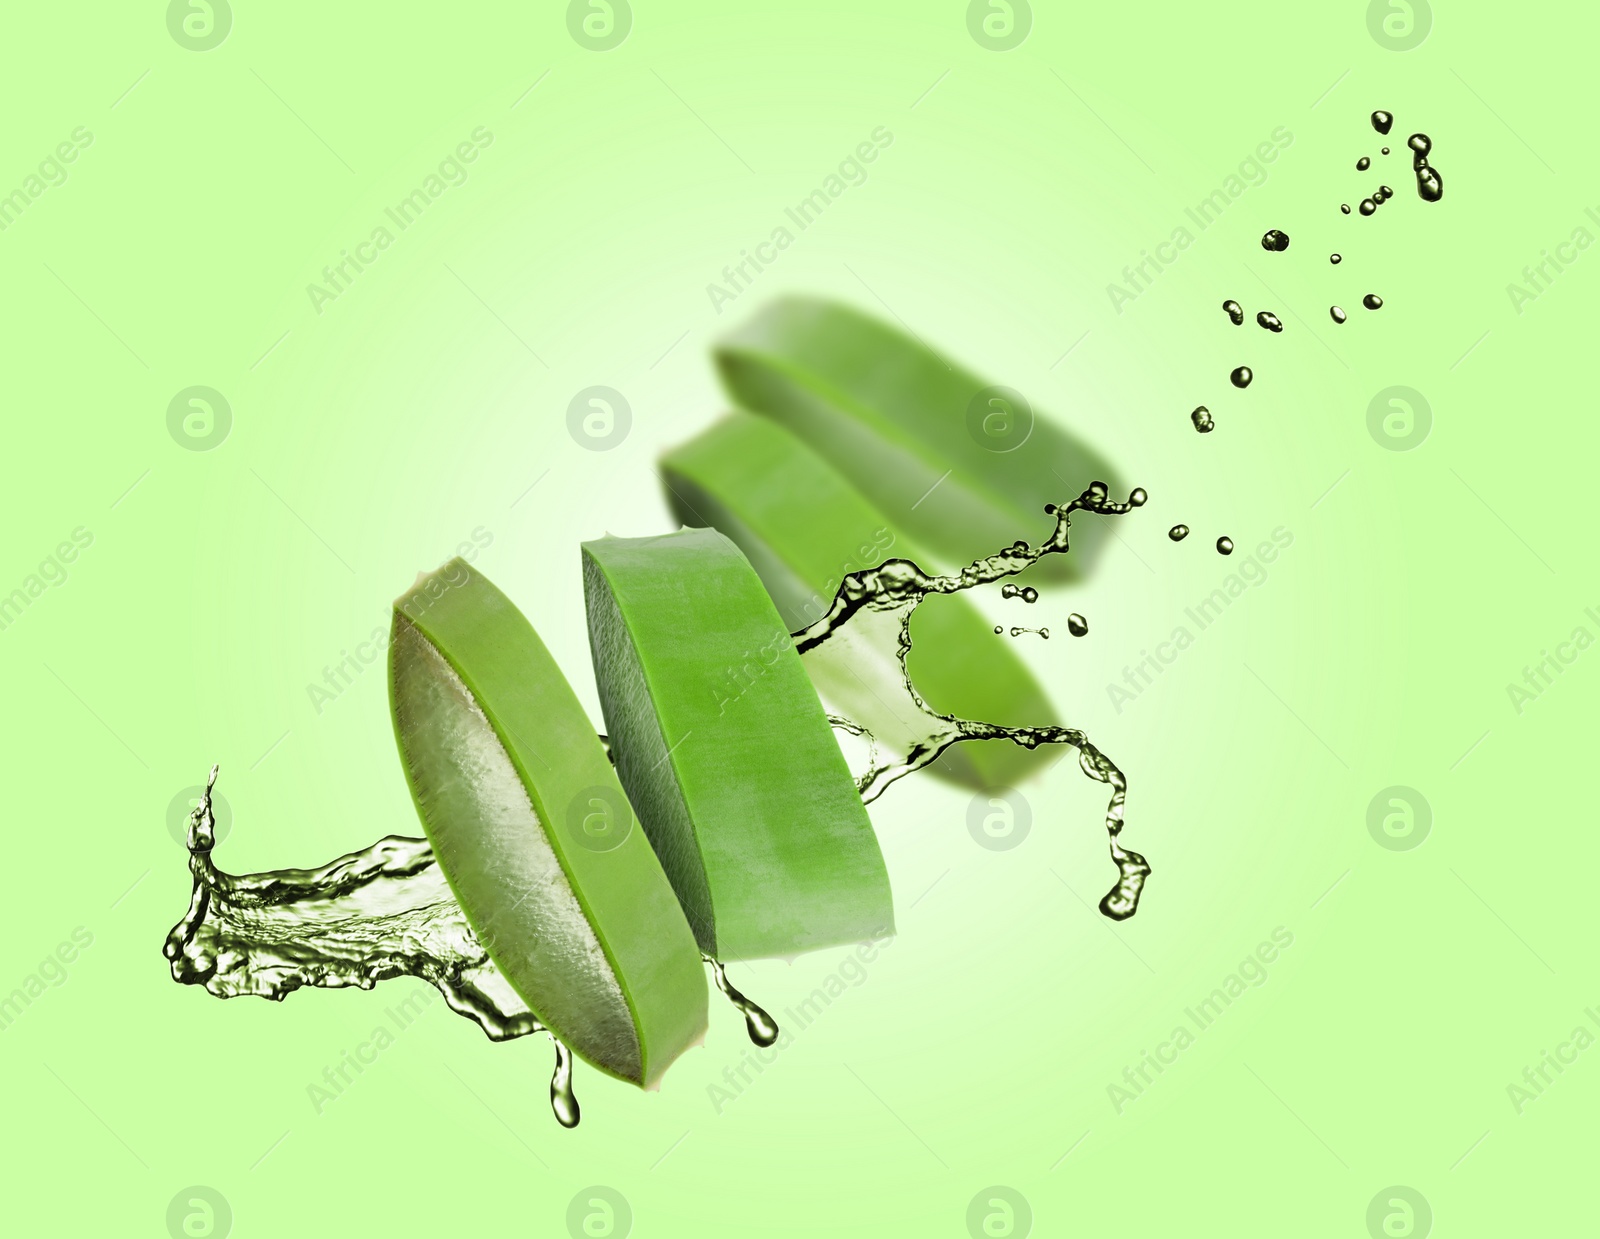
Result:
[
  {"x": 1270, "y": 321},
  {"x": 1381, "y": 121},
  {"x": 1138, "y": 497},
  {"x": 1027, "y": 594},
  {"x": 1235, "y": 311},
  {"x": 1241, "y": 377},
  {"x": 1202, "y": 420},
  {"x": 1224, "y": 546},
  {"x": 1030, "y": 594},
  {"x": 1368, "y": 206},
  {"x": 1363, "y": 164},
  {"x": 1275, "y": 239},
  {"x": 1344, "y": 207},
  {"x": 562, "y": 1099},
  {"x": 998, "y": 630},
  {"x": 1018, "y": 631},
  {"x": 1384, "y": 194},
  {"x": 1178, "y": 533},
  {"x": 1385, "y": 150},
  {"x": 1430, "y": 185},
  {"x": 1336, "y": 259},
  {"x": 1372, "y": 301},
  {"x": 1337, "y": 313},
  {"x": 1077, "y": 625},
  {"x": 763, "y": 1029}
]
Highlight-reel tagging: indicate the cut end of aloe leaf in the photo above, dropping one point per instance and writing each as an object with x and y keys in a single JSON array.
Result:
[
  {"x": 724, "y": 747},
  {"x": 534, "y": 833}
]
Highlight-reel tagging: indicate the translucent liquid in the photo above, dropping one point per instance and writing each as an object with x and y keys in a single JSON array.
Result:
[{"x": 386, "y": 911}]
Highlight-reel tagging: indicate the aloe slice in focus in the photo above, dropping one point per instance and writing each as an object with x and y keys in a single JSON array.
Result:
[
  {"x": 962, "y": 466},
  {"x": 534, "y": 833},
  {"x": 804, "y": 527},
  {"x": 723, "y": 745}
]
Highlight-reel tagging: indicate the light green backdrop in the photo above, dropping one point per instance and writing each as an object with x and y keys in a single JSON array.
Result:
[{"x": 427, "y": 404}]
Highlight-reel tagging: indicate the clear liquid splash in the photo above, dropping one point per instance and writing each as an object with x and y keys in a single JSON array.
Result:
[
  {"x": 373, "y": 915},
  {"x": 387, "y": 911},
  {"x": 901, "y": 734}
]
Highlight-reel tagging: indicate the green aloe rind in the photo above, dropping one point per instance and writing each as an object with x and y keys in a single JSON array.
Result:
[
  {"x": 534, "y": 832},
  {"x": 724, "y": 746},
  {"x": 962, "y": 465},
  {"x": 804, "y": 526}
]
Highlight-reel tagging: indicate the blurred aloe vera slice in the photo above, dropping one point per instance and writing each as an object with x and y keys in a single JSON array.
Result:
[
  {"x": 535, "y": 834},
  {"x": 804, "y": 527},
  {"x": 726, "y": 751},
  {"x": 959, "y": 464}
]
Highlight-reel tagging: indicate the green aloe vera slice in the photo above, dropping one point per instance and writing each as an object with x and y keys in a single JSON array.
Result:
[
  {"x": 723, "y": 744},
  {"x": 964, "y": 467},
  {"x": 803, "y": 527},
  {"x": 533, "y": 830}
]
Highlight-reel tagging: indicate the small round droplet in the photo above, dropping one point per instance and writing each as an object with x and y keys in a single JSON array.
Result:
[
  {"x": 1363, "y": 164},
  {"x": 998, "y": 630},
  {"x": 1344, "y": 207},
  {"x": 1386, "y": 192},
  {"x": 1202, "y": 420},
  {"x": 1368, "y": 206},
  {"x": 1336, "y": 313},
  {"x": 1030, "y": 594},
  {"x": 1241, "y": 377},
  {"x": 1385, "y": 150},
  {"x": 1336, "y": 259},
  {"x": 1235, "y": 311},
  {"x": 1138, "y": 497},
  {"x": 1269, "y": 320},
  {"x": 1372, "y": 301},
  {"x": 1077, "y": 625},
  {"x": 1275, "y": 239},
  {"x": 1224, "y": 546},
  {"x": 1381, "y": 121},
  {"x": 1178, "y": 533}
]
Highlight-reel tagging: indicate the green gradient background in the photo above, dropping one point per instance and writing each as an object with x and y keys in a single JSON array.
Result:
[{"x": 370, "y": 440}]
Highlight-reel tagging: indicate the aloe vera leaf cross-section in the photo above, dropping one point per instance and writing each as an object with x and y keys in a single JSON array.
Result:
[{"x": 534, "y": 832}]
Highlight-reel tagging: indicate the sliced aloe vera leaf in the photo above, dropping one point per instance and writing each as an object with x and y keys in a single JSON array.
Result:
[
  {"x": 725, "y": 749},
  {"x": 804, "y": 526},
  {"x": 962, "y": 465},
  {"x": 535, "y": 834}
]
